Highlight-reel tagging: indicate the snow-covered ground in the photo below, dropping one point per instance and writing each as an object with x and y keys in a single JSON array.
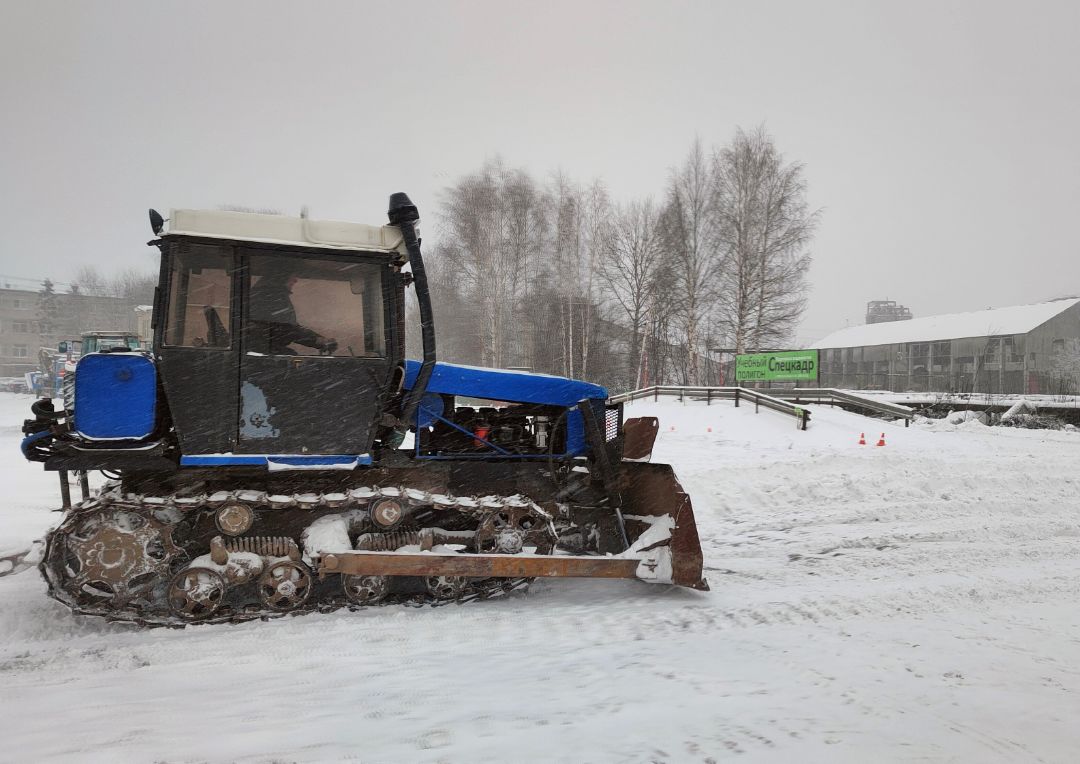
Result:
[{"x": 911, "y": 602}]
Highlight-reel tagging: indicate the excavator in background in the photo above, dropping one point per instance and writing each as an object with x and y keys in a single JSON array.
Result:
[{"x": 56, "y": 363}]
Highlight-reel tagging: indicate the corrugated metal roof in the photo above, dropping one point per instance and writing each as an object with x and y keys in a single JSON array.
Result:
[{"x": 1018, "y": 319}]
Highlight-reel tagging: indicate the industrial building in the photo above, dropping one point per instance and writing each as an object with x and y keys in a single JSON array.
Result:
[
  {"x": 28, "y": 321},
  {"x": 1020, "y": 349}
]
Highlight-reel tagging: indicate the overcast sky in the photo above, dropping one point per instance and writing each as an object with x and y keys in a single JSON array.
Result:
[{"x": 941, "y": 139}]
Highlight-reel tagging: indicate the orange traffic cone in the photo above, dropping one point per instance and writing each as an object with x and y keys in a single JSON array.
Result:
[
  {"x": 881, "y": 440},
  {"x": 862, "y": 438}
]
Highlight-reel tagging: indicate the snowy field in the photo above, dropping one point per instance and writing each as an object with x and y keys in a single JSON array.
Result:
[{"x": 916, "y": 602}]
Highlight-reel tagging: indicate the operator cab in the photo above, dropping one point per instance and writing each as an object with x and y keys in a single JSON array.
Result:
[{"x": 277, "y": 335}]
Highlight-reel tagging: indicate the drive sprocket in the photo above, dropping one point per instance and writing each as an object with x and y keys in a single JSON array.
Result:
[{"x": 112, "y": 557}]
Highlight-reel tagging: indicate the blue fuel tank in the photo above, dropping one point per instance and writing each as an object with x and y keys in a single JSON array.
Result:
[{"x": 115, "y": 396}]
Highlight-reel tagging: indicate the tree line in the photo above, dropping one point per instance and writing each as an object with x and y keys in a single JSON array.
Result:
[{"x": 559, "y": 277}]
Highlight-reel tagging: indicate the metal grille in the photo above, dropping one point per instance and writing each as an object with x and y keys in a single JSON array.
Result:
[
  {"x": 612, "y": 422},
  {"x": 67, "y": 388}
]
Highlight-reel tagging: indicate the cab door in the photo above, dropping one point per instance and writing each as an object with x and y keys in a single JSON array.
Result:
[
  {"x": 197, "y": 349},
  {"x": 313, "y": 367}
]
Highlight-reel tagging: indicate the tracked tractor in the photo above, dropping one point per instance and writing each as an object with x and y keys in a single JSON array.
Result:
[{"x": 276, "y": 453}]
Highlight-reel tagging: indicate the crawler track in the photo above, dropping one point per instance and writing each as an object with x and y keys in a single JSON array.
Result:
[{"x": 132, "y": 557}]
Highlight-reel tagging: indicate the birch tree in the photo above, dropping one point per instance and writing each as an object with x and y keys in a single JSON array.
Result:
[
  {"x": 630, "y": 273},
  {"x": 689, "y": 232},
  {"x": 492, "y": 233},
  {"x": 763, "y": 228}
]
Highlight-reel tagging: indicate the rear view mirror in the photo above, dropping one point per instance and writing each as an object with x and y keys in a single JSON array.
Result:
[
  {"x": 62, "y": 347},
  {"x": 357, "y": 284}
]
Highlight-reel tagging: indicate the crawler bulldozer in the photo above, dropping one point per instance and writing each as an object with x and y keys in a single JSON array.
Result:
[{"x": 275, "y": 452}]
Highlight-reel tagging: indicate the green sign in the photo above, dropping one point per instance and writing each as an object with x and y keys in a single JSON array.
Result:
[{"x": 788, "y": 366}]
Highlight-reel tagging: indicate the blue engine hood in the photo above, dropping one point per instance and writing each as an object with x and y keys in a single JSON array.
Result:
[{"x": 504, "y": 385}]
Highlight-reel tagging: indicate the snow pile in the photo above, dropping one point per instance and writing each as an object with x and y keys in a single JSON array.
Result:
[
  {"x": 1019, "y": 408},
  {"x": 962, "y": 417},
  {"x": 241, "y": 566},
  {"x": 329, "y": 533}
]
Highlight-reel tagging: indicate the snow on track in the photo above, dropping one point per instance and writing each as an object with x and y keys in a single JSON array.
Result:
[{"x": 915, "y": 601}]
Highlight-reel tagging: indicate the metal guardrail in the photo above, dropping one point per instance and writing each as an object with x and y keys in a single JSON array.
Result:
[
  {"x": 709, "y": 394},
  {"x": 835, "y": 397}
]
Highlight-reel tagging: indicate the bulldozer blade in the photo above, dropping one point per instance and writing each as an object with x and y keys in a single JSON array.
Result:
[
  {"x": 651, "y": 493},
  {"x": 639, "y": 435}
]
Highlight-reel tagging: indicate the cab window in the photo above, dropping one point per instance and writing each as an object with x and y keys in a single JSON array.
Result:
[
  {"x": 200, "y": 289},
  {"x": 301, "y": 306}
]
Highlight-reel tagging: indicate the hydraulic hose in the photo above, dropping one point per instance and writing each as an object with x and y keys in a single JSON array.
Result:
[
  {"x": 33, "y": 449},
  {"x": 403, "y": 214},
  {"x": 43, "y": 410}
]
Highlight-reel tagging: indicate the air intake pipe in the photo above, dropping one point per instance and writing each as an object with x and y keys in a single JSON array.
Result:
[{"x": 403, "y": 214}]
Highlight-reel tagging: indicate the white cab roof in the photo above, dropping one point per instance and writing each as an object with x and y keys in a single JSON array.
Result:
[
  {"x": 1017, "y": 319},
  {"x": 281, "y": 229}
]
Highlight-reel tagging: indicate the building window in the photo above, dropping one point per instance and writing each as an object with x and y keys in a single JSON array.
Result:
[
  {"x": 1057, "y": 347},
  {"x": 19, "y": 351},
  {"x": 20, "y": 327},
  {"x": 18, "y": 304}
]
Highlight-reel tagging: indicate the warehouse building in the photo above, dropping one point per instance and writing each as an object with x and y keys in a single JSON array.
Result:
[{"x": 1020, "y": 349}]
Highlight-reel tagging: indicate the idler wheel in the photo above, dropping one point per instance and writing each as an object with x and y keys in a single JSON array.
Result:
[
  {"x": 196, "y": 593},
  {"x": 446, "y": 587},
  {"x": 365, "y": 590},
  {"x": 285, "y": 585}
]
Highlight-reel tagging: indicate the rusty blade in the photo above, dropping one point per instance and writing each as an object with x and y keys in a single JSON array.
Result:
[
  {"x": 476, "y": 565},
  {"x": 639, "y": 434},
  {"x": 652, "y": 490}
]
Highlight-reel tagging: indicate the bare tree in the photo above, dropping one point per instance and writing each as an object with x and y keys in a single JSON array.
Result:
[
  {"x": 134, "y": 284},
  {"x": 689, "y": 231},
  {"x": 596, "y": 238},
  {"x": 90, "y": 281},
  {"x": 550, "y": 277},
  {"x": 492, "y": 233},
  {"x": 764, "y": 227},
  {"x": 130, "y": 283},
  {"x": 630, "y": 273}
]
